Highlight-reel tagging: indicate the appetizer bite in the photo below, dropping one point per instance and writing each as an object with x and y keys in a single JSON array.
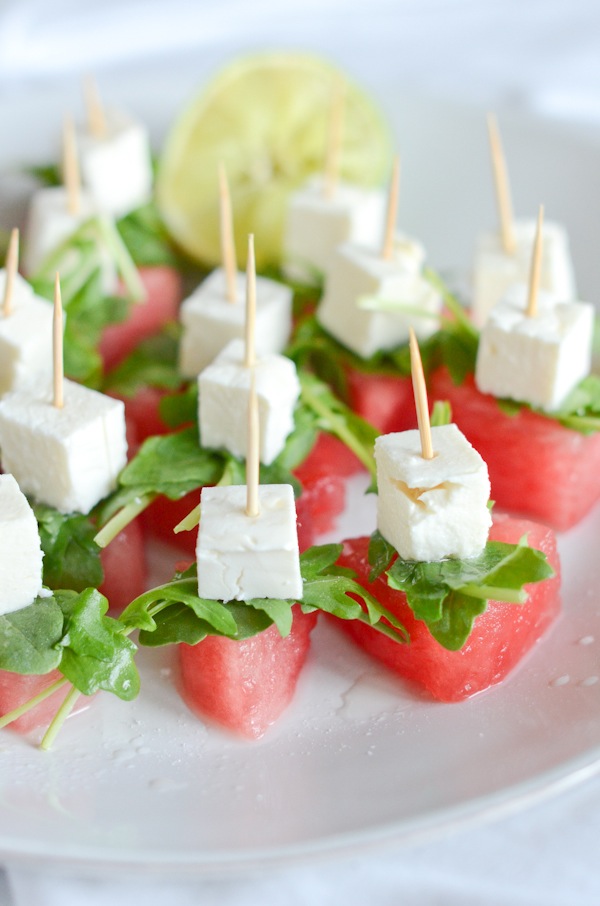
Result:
[{"x": 468, "y": 603}]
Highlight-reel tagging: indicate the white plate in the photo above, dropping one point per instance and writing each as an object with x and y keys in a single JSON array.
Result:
[{"x": 359, "y": 757}]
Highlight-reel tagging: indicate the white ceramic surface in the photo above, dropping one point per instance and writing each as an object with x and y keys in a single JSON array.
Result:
[{"x": 359, "y": 757}]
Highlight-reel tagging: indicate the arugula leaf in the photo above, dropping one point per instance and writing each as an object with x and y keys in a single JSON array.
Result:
[
  {"x": 147, "y": 238},
  {"x": 381, "y": 553},
  {"x": 96, "y": 654},
  {"x": 179, "y": 409},
  {"x": 174, "y": 613},
  {"x": 448, "y": 594},
  {"x": 71, "y": 556},
  {"x": 28, "y": 638}
]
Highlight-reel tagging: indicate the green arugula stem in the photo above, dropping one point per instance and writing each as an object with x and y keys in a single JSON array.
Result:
[
  {"x": 13, "y": 715},
  {"x": 188, "y": 522},
  {"x": 122, "y": 518},
  {"x": 491, "y": 593},
  {"x": 340, "y": 429},
  {"x": 59, "y": 719},
  {"x": 582, "y": 423},
  {"x": 124, "y": 262}
]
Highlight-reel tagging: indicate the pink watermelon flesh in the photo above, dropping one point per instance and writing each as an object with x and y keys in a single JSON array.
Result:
[
  {"x": 163, "y": 295},
  {"x": 124, "y": 564},
  {"x": 15, "y": 690},
  {"x": 500, "y": 638},
  {"x": 245, "y": 686},
  {"x": 537, "y": 467},
  {"x": 384, "y": 400}
]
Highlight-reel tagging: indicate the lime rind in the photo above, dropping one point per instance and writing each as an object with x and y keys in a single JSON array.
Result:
[{"x": 265, "y": 117}]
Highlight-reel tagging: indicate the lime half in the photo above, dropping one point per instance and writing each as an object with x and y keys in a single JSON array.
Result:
[{"x": 266, "y": 118}]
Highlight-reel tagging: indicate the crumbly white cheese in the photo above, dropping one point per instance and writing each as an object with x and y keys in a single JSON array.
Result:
[
  {"x": 494, "y": 271},
  {"x": 224, "y": 391},
  {"x": 430, "y": 509},
  {"x": 25, "y": 336},
  {"x": 536, "y": 360},
  {"x": 316, "y": 225},
  {"x": 68, "y": 458},
  {"x": 20, "y": 549},
  {"x": 210, "y": 320},
  {"x": 242, "y": 557},
  {"x": 369, "y": 302},
  {"x": 116, "y": 168},
  {"x": 49, "y": 224}
]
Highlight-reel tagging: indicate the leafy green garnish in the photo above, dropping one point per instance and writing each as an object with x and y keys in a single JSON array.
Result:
[
  {"x": 174, "y": 613},
  {"x": 71, "y": 556},
  {"x": 69, "y": 631},
  {"x": 96, "y": 654},
  {"x": 29, "y": 638},
  {"x": 147, "y": 238},
  {"x": 448, "y": 594}
]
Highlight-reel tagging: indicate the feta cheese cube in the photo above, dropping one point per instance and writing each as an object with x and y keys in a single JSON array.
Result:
[
  {"x": 495, "y": 271},
  {"x": 539, "y": 359},
  {"x": 242, "y": 557},
  {"x": 210, "y": 320},
  {"x": 49, "y": 224},
  {"x": 430, "y": 509},
  {"x": 20, "y": 549},
  {"x": 370, "y": 302},
  {"x": 25, "y": 336},
  {"x": 316, "y": 225},
  {"x": 224, "y": 392},
  {"x": 68, "y": 458},
  {"x": 117, "y": 167}
]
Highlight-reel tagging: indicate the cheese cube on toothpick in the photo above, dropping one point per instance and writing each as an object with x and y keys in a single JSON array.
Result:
[
  {"x": 372, "y": 297},
  {"x": 248, "y": 539},
  {"x": 326, "y": 212},
  {"x": 64, "y": 444},
  {"x": 114, "y": 152},
  {"x": 433, "y": 487},
  {"x": 57, "y": 212},
  {"x": 20, "y": 549},
  {"x": 503, "y": 256},
  {"x": 535, "y": 347},
  {"x": 215, "y": 314},
  {"x": 25, "y": 326},
  {"x": 224, "y": 388}
]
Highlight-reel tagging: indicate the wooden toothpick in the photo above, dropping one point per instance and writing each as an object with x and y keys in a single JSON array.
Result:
[
  {"x": 536, "y": 267},
  {"x": 392, "y": 211},
  {"x": 11, "y": 268},
  {"x": 71, "y": 175},
  {"x": 250, "y": 350},
  {"x": 501, "y": 184},
  {"x": 57, "y": 346},
  {"x": 420, "y": 394},
  {"x": 96, "y": 116},
  {"x": 253, "y": 451},
  {"x": 228, "y": 256},
  {"x": 335, "y": 130}
]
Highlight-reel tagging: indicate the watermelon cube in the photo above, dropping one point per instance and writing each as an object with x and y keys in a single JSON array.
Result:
[
  {"x": 245, "y": 686},
  {"x": 161, "y": 305},
  {"x": 124, "y": 565},
  {"x": 16, "y": 689},
  {"x": 537, "y": 467},
  {"x": 384, "y": 400},
  {"x": 500, "y": 638}
]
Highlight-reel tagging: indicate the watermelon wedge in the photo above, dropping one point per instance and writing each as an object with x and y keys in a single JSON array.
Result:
[
  {"x": 537, "y": 467},
  {"x": 16, "y": 689},
  {"x": 245, "y": 686},
  {"x": 124, "y": 565},
  {"x": 163, "y": 295},
  {"x": 384, "y": 400},
  {"x": 501, "y": 636}
]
